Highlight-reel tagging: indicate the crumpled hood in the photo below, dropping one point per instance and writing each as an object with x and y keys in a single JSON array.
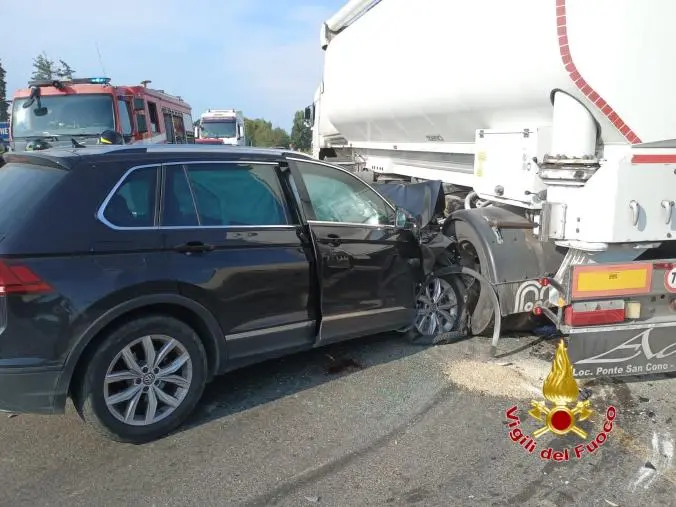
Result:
[{"x": 423, "y": 200}]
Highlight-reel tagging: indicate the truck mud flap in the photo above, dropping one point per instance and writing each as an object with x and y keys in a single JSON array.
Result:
[{"x": 615, "y": 351}]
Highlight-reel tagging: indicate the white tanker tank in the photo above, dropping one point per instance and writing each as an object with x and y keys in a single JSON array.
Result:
[
  {"x": 405, "y": 72},
  {"x": 419, "y": 88},
  {"x": 553, "y": 122}
]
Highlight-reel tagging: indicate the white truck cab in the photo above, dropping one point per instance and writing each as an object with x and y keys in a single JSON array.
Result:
[{"x": 221, "y": 126}]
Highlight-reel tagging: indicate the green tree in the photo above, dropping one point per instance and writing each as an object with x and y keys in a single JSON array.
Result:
[
  {"x": 4, "y": 113},
  {"x": 280, "y": 138},
  {"x": 301, "y": 133},
  {"x": 260, "y": 133},
  {"x": 64, "y": 71},
  {"x": 43, "y": 68}
]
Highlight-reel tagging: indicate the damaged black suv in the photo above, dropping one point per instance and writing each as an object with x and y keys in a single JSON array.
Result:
[{"x": 131, "y": 276}]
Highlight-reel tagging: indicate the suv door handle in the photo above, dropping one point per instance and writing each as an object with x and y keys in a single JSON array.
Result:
[{"x": 193, "y": 247}]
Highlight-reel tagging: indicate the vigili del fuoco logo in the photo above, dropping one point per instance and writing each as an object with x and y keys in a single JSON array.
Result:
[{"x": 561, "y": 415}]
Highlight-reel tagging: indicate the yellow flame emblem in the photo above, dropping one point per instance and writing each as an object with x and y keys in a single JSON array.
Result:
[{"x": 561, "y": 389}]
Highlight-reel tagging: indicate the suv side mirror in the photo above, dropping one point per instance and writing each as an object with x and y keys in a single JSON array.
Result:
[{"x": 404, "y": 220}]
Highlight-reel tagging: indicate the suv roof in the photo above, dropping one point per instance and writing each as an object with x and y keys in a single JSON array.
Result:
[{"x": 68, "y": 157}]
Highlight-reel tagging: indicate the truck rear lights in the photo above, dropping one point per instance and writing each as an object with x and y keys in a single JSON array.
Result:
[
  {"x": 594, "y": 313},
  {"x": 632, "y": 310},
  {"x": 18, "y": 279}
]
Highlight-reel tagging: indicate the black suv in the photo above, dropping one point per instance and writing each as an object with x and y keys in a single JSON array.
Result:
[{"x": 130, "y": 276}]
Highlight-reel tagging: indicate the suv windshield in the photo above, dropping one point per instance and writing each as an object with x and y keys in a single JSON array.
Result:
[
  {"x": 22, "y": 187},
  {"x": 66, "y": 115},
  {"x": 221, "y": 128}
]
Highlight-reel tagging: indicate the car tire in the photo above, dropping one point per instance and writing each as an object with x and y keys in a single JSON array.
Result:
[
  {"x": 174, "y": 394},
  {"x": 455, "y": 288}
]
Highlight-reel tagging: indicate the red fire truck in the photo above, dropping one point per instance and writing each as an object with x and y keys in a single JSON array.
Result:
[{"x": 75, "y": 112}]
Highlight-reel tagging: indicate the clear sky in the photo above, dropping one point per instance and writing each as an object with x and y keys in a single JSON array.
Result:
[{"x": 260, "y": 56}]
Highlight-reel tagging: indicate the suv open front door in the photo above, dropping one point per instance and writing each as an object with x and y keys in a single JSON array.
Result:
[{"x": 365, "y": 277}]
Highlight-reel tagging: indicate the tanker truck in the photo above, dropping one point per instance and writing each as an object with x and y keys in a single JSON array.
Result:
[{"x": 549, "y": 123}]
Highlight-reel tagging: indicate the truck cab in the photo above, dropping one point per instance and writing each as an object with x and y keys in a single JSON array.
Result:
[
  {"x": 221, "y": 126},
  {"x": 74, "y": 113}
]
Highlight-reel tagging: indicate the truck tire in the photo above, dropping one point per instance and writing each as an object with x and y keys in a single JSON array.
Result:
[
  {"x": 474, "y": 257},
  {"x": 144, "y": 379}
]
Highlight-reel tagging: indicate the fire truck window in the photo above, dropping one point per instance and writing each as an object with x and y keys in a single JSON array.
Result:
[
  {"x": 65, "y": 115},
  {"x": 169, "y": 128},
  {"x": 188, "y": 125},
  {"x": 179, "y": 130},
  {"x": 141, "y": 123},
  {"x": 133, "y": 203},
  {"x": 237, "y": 194},
  {"x": 125, "y": 118},
  {"x": 154, "y": 118}
]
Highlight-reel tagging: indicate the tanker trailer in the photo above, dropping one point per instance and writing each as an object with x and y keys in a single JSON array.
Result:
[{"x": 550, "y": 120}]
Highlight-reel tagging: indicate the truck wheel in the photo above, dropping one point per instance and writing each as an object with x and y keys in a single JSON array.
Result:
[
  {"x": 143, "y": 380},
  {"x": 474, "y": 258}
]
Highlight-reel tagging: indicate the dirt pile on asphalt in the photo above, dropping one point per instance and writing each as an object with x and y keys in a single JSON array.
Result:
[{"x": 518, "y": 380}]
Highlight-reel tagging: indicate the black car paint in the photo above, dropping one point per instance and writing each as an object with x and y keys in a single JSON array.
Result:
[{"x": 100, "y": 275}]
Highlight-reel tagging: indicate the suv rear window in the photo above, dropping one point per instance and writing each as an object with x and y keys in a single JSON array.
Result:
[{"x": 22, "y": 187}]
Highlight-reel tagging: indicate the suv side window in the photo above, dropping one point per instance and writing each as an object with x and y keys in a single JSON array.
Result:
[
  {"x": 179, "y": 209},
  {"x": 133, "y": 203},
  {"x": 337, "y": 196},
  {"x": 228, "y": 194}
]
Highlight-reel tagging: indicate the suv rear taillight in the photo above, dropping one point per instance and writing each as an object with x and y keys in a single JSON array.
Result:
[{"x": 18, "y": 279}]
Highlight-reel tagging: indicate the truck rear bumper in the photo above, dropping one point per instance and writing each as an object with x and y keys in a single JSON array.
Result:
[
  {"x": 24, "y": 390},
  {"x": 621, "y": 350}
]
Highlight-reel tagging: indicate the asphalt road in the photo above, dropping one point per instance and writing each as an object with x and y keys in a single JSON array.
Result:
[{"x": 372, "y": 422}]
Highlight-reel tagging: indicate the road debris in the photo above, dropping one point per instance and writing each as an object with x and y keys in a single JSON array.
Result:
[{"x": 519, "y": 380}]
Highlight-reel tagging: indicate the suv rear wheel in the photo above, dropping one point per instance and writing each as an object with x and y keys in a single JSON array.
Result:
[{"x": 144, "y": 380}]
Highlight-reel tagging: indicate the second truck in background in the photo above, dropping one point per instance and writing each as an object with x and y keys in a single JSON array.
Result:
[{"x": 221, "y": 126}]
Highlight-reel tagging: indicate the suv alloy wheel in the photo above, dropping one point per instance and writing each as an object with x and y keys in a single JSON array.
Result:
[{"x": 143, "y": 380}]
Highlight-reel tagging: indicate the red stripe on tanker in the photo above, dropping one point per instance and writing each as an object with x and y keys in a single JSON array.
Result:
[{"x": 583, "y": 86}]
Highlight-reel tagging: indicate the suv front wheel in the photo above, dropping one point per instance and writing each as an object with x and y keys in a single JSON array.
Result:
[{"x": 143, "y": 380}]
